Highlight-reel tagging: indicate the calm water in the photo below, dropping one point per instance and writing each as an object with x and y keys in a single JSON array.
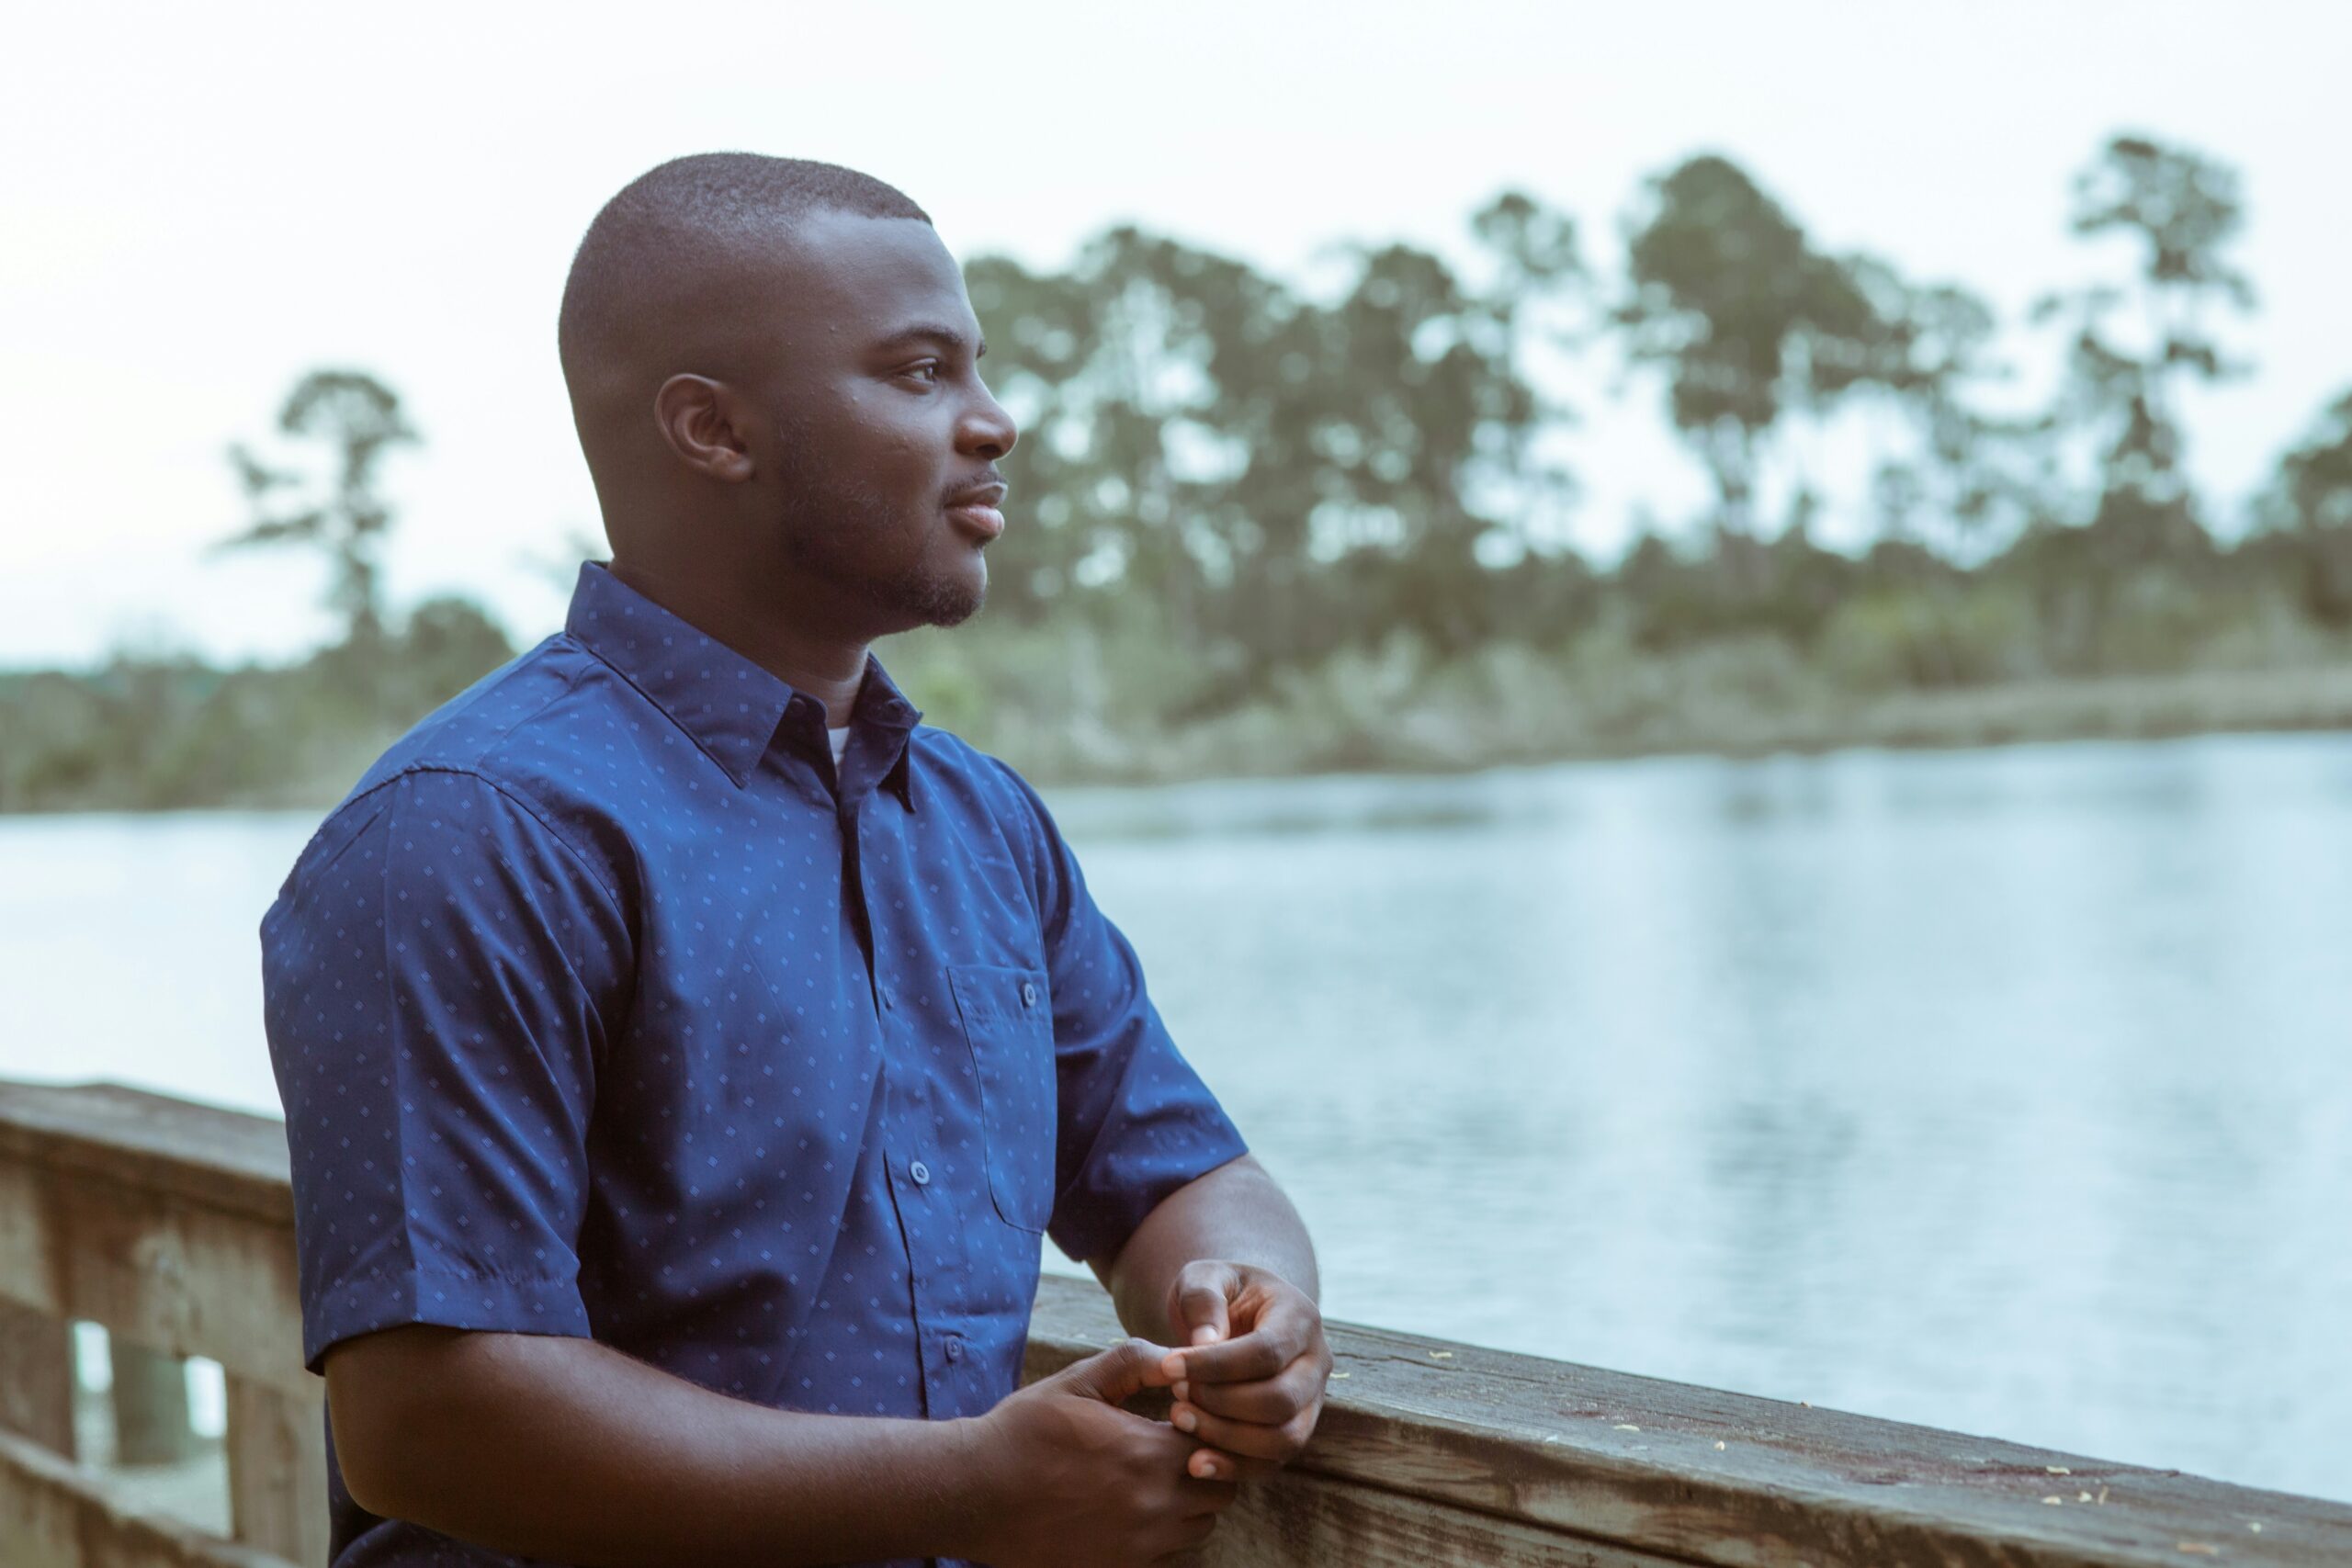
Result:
[{"x": 2007, "y": 1091}]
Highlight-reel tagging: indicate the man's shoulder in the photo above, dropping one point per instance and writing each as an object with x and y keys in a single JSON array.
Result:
[
  {"x": 509, "y": 740},
  {"x": 474, "y": 731},
  {"x": 979, "y": 779}
]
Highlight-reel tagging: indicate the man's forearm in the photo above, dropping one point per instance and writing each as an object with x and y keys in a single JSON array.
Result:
[
  {"x": 1234, "y": 1213},
  {"x": 562, "y": 1448}
]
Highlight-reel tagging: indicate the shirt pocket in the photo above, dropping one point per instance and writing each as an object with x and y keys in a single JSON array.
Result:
[{"x": 1009, "y": 1024}]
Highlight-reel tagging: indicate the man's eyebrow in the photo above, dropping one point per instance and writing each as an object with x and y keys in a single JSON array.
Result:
[{"x": 943, "y": 337}]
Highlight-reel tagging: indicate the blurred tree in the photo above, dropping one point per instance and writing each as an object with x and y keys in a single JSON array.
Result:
[
  {"x": 1748, "y": 321},
  {"x": 359, "y": 419},
  {"x": 1280, "y": 477},
  {"x": 1419, "y": 429},
  {"x": 1954, "y": 475},
  {"x": 2183, "y": 210}
]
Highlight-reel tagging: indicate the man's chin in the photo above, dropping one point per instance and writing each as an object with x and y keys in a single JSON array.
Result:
[
  {"x": 937, "y": 602},
  {"x": 962, "y": 610}
]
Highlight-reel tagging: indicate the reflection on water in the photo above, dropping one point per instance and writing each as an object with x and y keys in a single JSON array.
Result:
[{"x": 2006, "y": 1092}]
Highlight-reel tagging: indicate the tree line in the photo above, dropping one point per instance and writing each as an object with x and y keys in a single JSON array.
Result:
[{"x": 1263, "y": 526}]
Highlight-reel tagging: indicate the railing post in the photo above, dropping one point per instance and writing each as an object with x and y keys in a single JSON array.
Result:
[
  {"x": 150, "y": 1406},
  {"x": 37, "y": 1377},
  {"x": 278, "y": 1470}
]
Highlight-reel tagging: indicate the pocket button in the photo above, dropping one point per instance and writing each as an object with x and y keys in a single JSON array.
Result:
[{"x": 1028, "y": 993}]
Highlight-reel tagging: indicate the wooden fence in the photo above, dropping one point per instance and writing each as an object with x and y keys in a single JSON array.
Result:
[{"x": 172, "y": 1224}]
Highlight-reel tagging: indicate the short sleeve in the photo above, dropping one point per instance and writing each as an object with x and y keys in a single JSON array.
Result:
[
  {"x": 439, "y": 976},
  {"x": 1134, "y": 1121}
]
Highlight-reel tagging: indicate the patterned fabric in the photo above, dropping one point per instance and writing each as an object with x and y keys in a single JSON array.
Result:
[{"x": 606, "y": 1006}]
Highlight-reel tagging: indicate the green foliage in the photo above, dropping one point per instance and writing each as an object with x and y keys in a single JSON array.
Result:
[
  {"x": 1894, "y": 638},
  {"x": 156, "y": 733},
  {"x": 2311, "y": 507},
  {"x": 1748, "y": 321},
  {"x": 1263, "y": 529},
  {"x": 1285, "y": 476},
  {"x": 2183, "y": 209}
]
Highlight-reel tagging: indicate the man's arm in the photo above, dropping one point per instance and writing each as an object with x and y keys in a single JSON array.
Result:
[
  {"x": 552, "y": 1446},
  {"x": 1234, "y": 1215},
  {"x": 1222, "y": 1268},
  {"x": 557, "y": 1447}
]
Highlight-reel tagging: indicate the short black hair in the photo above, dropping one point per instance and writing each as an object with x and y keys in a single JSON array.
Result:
[{"x": 682, "y": 212}]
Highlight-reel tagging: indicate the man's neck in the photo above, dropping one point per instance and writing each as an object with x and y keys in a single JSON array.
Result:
[{"x": 827, "y": 668}]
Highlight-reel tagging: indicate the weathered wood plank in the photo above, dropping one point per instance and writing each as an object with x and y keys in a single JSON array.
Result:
[
  {"x": 40, "y": 1518},
  {"x": 1302, "y": 1516},
  {"x": 229, "y": 1159},
  {"x": 278, "y": 1469},
  {"x": 37, "y": 1377},
  {"x": 171, "y": 1224},
  {"x": 183, "y": 1278},
  {"x": 29, "y": 1261},
  {"x": 57, "y": 1514},
  {"x": 1635, "y": 1462}
]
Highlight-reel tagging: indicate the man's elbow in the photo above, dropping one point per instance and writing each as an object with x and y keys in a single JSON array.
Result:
[{"x": 396, "y": 1406}]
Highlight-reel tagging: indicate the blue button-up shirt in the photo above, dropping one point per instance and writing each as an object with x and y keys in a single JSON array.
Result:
[{"x": 606, "y": 1005}]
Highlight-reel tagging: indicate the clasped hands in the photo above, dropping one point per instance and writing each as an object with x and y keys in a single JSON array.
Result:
[
  {"x": 1067, "y": 1476},
  {"x": 1249, "y": 1382}
]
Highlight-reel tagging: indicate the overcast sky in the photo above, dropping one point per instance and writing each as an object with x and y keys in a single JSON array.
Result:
[{"x": 199, "y": 203}]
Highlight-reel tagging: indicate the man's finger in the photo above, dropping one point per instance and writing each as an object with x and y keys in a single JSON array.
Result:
[
  {"x": 1282, "y": 1335},
  {"x": 1269, "y": 1402},
  {"x": 1202, "y": 1303},
  {"x": 1245, "y": 1438},
  {"x": 1216, "y": 1465},
  {"x": 1201, "y": 1308},
  {"x": 1116, "y": 1376}
]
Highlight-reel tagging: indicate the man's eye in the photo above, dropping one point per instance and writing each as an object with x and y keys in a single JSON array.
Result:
[{"x": 928, "y": 371}]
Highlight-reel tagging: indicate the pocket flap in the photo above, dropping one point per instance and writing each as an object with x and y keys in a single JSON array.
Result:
[{"x": 991, "y": 997}]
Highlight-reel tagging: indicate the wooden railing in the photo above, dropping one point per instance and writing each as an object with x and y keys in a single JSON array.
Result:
[{"x": 172, "y": 1224}]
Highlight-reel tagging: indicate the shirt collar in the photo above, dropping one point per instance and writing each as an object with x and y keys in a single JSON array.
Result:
[
  {"x": 728, "y": 705},
  {"x": 883, "y": 706}
]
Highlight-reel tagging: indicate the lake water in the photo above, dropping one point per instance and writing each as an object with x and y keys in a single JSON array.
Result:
[{"x": 2008, "y": 1091}]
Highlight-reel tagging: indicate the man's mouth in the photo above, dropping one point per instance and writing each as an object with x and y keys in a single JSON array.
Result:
[
  {"x": 977, "y": 513},
  {"x": 983, "y": 522}
]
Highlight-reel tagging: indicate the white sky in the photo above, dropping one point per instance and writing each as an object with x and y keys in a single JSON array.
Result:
[{"x": 199, "y": 203}]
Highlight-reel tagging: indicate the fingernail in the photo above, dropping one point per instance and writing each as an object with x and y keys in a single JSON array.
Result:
[
  {"x": 1185, "y": 1421},
  {"x": 1182, "y": 1389},
  {"x": 1205, "y": 1335}
]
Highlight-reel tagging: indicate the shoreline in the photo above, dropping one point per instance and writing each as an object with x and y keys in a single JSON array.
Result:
[{"x": 1426, "y": 739}]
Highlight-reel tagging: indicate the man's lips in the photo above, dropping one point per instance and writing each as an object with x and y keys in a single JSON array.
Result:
[
  {"x": 984, "y": 523},
  {"x": 977, "y": 513}
]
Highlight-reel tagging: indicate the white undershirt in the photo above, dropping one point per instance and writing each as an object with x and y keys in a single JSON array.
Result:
[{"x": 840, "y": 738}]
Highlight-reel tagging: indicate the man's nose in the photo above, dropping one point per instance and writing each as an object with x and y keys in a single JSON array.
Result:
[{"x": 987, "y": 430}]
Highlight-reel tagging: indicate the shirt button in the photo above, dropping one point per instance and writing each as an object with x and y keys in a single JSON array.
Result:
[
  {"x": 921, "y": 1172},
  {"x": 1028, "y": 994},
  {"x": 890, "y": 1002},
  {"x": 955, "y": 1347}
]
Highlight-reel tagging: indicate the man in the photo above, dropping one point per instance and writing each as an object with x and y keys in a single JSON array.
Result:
[{"x": 684, "y": 1050}]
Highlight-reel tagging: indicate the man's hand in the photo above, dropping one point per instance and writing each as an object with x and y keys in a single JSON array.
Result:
[
  {"x": 1075, "y": 1480},
  {"x": 1251, "y": 1382}
]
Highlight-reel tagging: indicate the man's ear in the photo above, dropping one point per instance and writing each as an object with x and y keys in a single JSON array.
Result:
[{"x": 704, "y": 423}]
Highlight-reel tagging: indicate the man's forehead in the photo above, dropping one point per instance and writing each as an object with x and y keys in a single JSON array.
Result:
[{"x": 878, "y": 274}]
